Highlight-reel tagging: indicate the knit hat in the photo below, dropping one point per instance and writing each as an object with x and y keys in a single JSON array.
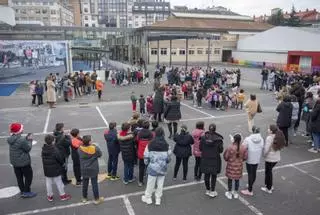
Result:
[
  {"x": 184, "y": 128},
  {"x": 16, "y": 128}
]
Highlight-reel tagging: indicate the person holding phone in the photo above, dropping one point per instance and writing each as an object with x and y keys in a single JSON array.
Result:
[{"x": 19, "y": 149}]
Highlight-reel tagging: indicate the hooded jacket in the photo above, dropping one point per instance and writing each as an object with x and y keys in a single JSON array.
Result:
[
  {"x": 112, "y": 141},
  {"x": 63, "y": 143},
  {"x": 52, "y": 161},
  {"x": 285, "y": 114},
  {"x": 89, "y": 160},
  {"x": 143, "y": 139},
  {"x": 254, "y": 144},
  {"x": 270, "y": 155},
  {"x": 182, "y": 149},
  {"x": 235, "y": 164},
  {"x": 19, "y": 148},
  {"x": 126, "y": 141},
  {"x": 197, "y": 134}
]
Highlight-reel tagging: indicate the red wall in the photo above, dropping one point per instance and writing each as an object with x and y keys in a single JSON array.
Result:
[{"x": 294, "y": 57}]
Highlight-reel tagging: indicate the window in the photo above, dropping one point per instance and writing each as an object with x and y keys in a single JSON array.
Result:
[
  {"x": 163, "y": 51},
  {"x": 154, "y": 51},
  {"x": 199, "y": 51},
  {"x": 86, "y": 10},
  {"x": 53, "y": 12},
  {"x": 86, "y": 18},
  {"x": 191, "y": 52},
  {"x": 216, "y": 51},
  {"x": 208, "y": 51},
  {"x": 86, "y": 25},
  {"x": 182, "y": 52},
  {"x": 93, "y": 18},
  {"x": 173, "y": 51},
  {"x": 38, "y": 11},
  {"x": 17, "y": 10},
  {"x": 44, "y": 11},
  {"x": 93, "y": 25},
  {"x": 45, "y": 3}
]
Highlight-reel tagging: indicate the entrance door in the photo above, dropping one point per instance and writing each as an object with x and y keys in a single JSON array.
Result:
[{"x": 226, "y": 55}]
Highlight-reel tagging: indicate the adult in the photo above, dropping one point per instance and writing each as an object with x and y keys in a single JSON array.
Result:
[
  {"x": 19, "y": 149},
  {"x": 63, "y": 143},
  {"x": 197, "y": 134},
  {"x": 284, "y": 117},
  {"x": 275, "y": 141},
  {"x": 158, "y": 103},
  {"x": 211, "y": 146},
  {"x": 264, "y": 82},
  {"x": 254, "y": 144},
  {"x": 315, "y": 126},
  {"x": 94, "y": 77},
  {"x": 182, "y": 151},
  {"x": 299, "y": 91},
  {"x": 51, "y": 92},
  {"x": 172, "y": 114},
  {"x": 252, "y": 108}
]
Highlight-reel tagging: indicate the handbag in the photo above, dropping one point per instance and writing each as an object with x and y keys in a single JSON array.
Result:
[{"x": 259, "y": 110}]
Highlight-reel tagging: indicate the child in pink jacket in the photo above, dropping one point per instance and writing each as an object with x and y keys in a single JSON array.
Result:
[{"x": 197, "y": 134}]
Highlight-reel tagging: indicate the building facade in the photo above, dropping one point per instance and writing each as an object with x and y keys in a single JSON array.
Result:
[
  {"x": 76, "y": 7},
  {"x": 46, "y": 12},
  {"x": 4, "y": 2},
  {"x": 147, "y": 12},
  {"x": 89, "y": 13},
  {"x": 114, "y": 13}
]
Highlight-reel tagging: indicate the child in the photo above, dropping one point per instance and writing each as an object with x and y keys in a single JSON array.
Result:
[
  {"x": 194, "y": 94},
  {"x": 150, "y": 106},
  {"x": 197, "y": 134},
  {"x": 234, "y": 155},
  {"x": 113, "y": 149},
  {"x": 199, "y": 96},
  {"x": 32, "y": 88},
  {"x": 133, "y": 101},
  {"x": 89, "y": 154},
  {"x": 76, "y": 142},
  {"x": 295, "y": 113},
  {"x": 52, "y": 165},
  {"x": 142, "y": 103},
  {"x": 99, "y": 87},
  {"x": 156, "y": 158},
  {"x": 39, "y": 92},
  {"x": 127, "y": 148},
  {"x": 240, "y": 99}
]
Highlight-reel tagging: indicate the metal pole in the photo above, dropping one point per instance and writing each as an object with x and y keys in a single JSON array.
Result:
[
  {"x": 209, "y": 44},
  {"x": 170, "y": 53},
  {"x": 158, "y": 56},
  {"x": 187, "y": 52}
]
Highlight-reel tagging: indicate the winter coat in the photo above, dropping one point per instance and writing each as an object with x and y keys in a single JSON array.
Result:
[
  {"x": 315, "y": 118},
  {"x": 52, "y": 161},
  {"x": 157, "y": 156},
  {"x": 299, "y": 92},
  {"x": 211, "y": 146},
  {"x": 234, "y": 163},
  {"x": 143, "y": 139},
  {"x": 158, "y": 102},
  {"x": 285, "y": 114},
  {"x": 39, "y": 89},
  {"x": 112, "y": 141},
  {"x": 19, "y": 148},
  {"x": 89, "y": 160},
  {"x": 182, "y": 149},
  {"x": 63, "y": 143},
  {"x": 142, "y": 102},
  {"x": 127, "y": 148},
  {"x": 251, "y": 107},
  {"x": 254, "y": 144},
  {"x": 172, "y": 111},
  {"x": 197, "y": 134},
  {"x": 51, "y": 91},
  {"x": 99, "y": 85},
  {"x": 270, "y": 155}
]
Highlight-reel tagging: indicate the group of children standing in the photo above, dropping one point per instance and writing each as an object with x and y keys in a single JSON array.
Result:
[{"x": 145, "y": 105}]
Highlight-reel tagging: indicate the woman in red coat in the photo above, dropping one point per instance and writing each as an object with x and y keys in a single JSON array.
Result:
[{"x": 234, "y": 155}]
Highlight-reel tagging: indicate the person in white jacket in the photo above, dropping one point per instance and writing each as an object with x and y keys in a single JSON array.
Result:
[
  {"x": 254, "y": 144},
  {"x": 275, "y": 141}
]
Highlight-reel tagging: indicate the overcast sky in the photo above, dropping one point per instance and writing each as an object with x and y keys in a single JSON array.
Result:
[{"x": 250, "y": 7}]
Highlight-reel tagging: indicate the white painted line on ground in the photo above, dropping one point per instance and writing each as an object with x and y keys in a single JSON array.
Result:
[
  {"x": 128, "y": 205},
  {"x": 195, "y": 119},
  {"x": 195, "y": 109},
  {"x": 103, "y": 118},
  {"x": 45, "y": 129},
  {"x": 305, "y": 172},
  {"x": 231, "y": 115},
  {"x": 242, "y": 200}
]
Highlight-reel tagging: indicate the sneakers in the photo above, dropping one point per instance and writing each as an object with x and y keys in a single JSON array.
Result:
[
  {"x": 65, "y": 197},
  {"x": 132, "y": 180},
  {"x": 67, "y": 182},
  {"x": 213, "y": 194},
  {"x": 84, "y": 200},
  {"x": 114, "y": 178},
  {"x": 313, "y": 150},
  {"x": 235, "y": 194},
  {"x": 98, "y": 201},
  {"x": 158, "y": 201},
  {"x": 208, "y": 192},
  {"x": 78, "y": 183},
  {"x": 28, "y": 195},
  {"x": 50, "y": 198},
  {"x": 146, "y": 200},
  {"x": 247, "y": 193},
  {"x": 125, "y": 182},
  {"x": 174, "y": 179},
  {"x": 228, "y": 195},
  {"x": 108, "y": 176},
  {"x": 140, "y": 184},
  {"x": 266, "y": 190}
]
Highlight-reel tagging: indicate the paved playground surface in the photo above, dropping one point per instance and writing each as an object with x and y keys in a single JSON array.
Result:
[{"x": 296, "y": 177}]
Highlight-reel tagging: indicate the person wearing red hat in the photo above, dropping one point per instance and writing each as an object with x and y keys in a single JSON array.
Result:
[{"x": 19, "y": 149}]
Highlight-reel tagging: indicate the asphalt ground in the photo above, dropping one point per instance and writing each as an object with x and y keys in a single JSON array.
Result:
[{"x": 296, "y": 177}]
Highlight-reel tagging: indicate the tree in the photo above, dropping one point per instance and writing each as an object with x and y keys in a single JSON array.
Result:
[
  {"x": 276, "y": 19},
  {"x": 293, "y": 20}
]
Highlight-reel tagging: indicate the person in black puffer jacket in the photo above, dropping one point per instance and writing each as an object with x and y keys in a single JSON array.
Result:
[
  {"x": 173, "y": 114},
  {"x": 182, "y": 150},
  {"x": 63, "y": 143},
  {"x": 127, "y": 148},
  {"x": 299, "y": 91},
  {"x": 52, "y": 162},
  {"x": 285, "y": 116}
]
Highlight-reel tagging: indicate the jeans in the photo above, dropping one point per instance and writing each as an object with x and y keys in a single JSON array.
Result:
[
  {"x": 94, "y": 184},
  {"x": 236, "y": 184},
  {"x": 24, "y": 177},
  {"x": 113, "y": 164},
  {"x": 285, "y": 132},
  {"x": 128, "y": 171},
  {"x": 65, "y": 171},
  {"x": 34, "y": 99},
  {"x": 142, "y": 168},
  {"x": 152, "y": 181},
  {"x": 175, "y": 128},
  {"x": 185, "y": 167},
  {"x": 99, "y": 94},
  {"x": 142, "y": 110},
  {"x": 210, "y": 181},
  {"x": 268, "y": 174},
  {"x": 40, "y": 99},
  {"x": 252, "y": 174},
  {"x": 199, "y": 102},
  {"x": 58, "y": 181},
  {"x": 197, "y": 170},
  {"x": 316, "y": 140},
  {"x": 264, "y": 83}
]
